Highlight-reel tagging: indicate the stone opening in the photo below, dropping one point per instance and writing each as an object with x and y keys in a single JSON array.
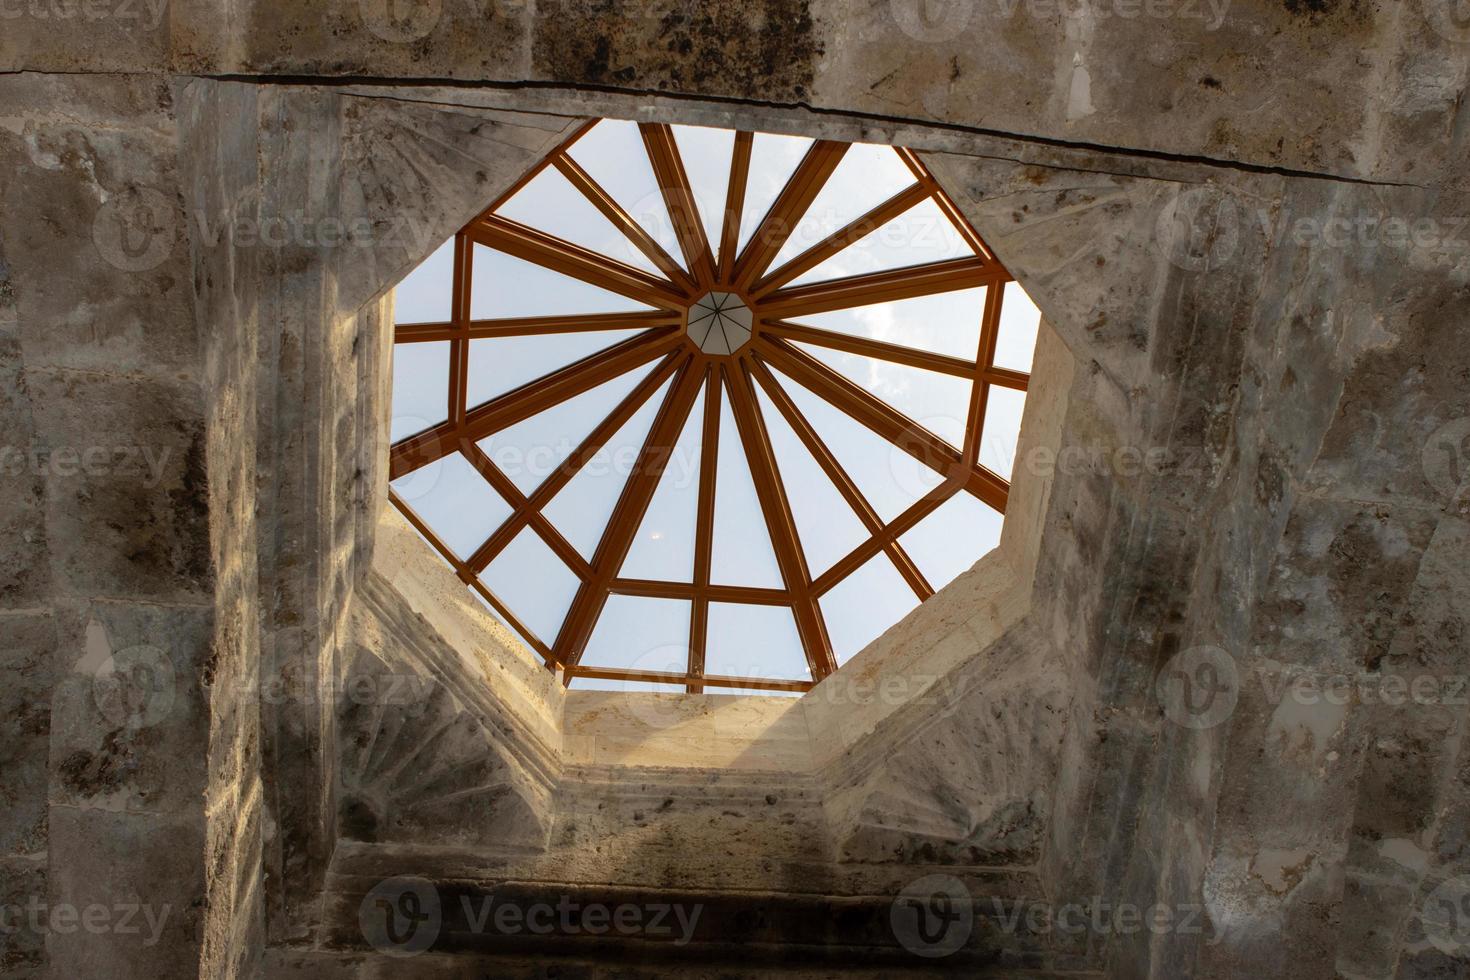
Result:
[{"x": 815, "y": 367}]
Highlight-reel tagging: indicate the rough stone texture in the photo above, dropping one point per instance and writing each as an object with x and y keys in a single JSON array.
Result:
[{"x": 1145, "y": 177}]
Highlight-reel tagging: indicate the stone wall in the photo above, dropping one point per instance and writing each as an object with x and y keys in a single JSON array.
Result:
[{"x": 193, "y": 417}]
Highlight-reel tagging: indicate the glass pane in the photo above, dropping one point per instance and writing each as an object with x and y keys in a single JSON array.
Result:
[
  {"x": 455, "y": 501},
  {"x": 953, "y": 538},
  {"x": 502, "y": 364},
  {"x": 862, "y": 606},
  {"x": 1019, "y": 321},
  {"x": 550, "y": 203},
  {"x": 938, "y": 402},
  {"x": 706, "y": 154},
  {"x": 426, "y": 294},
  {"x": 1002, "y": 430},
  {"x": 533, "y": 583},
  {"x": 640, "y": 633},
  {"x": 881, "y": 470},
  {"x": 753, "y": 642},
  {"x": 920, "y": 235},
  {"x": 420, "y": 387},
  {"x": 773, "y": 158},
  {"x": 530, "y": 451},
  {"x": 584, "y": 506},
  {"x": 867, "y": 176},
  {"x": 742, "y": 553},
  {"x": 613, "y": 153},
  {"x": 943, "y": 323},
  {"x": 826, "y": 524},
  {"x": 505, "y": 286},
  {"x": 663, "y": 549}
]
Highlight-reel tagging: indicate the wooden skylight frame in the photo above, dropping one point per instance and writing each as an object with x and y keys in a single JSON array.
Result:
[{"x": 690, "y": 370}]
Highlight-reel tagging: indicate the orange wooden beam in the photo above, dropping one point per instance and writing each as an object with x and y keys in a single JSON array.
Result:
[
  {"x": 780, "y": 522},
  {"x": 627, "y": 515}
]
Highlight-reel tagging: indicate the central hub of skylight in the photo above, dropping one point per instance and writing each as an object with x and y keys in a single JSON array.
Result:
[{"x": 719, "y": 323}]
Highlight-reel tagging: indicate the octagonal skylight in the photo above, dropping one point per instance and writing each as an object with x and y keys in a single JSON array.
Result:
[{"x": 693, "y": 408}]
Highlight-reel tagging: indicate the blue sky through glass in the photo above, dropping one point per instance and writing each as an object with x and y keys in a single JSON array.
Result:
[{"x": 582, "y": 508}]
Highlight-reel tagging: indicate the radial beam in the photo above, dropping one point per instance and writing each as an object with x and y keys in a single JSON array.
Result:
[
  {"x": 704, "y": 525},
  {"x": 776, "y": 508},
  {"x": 673, "y": 182},
  {"x": 529, "y": 399},
  {"x": 771, "y": 234},
  {"x": 617, "y": 538},
  {"x": 880, "y": 287},
  {"x": 946, "y": 204},
  {"x": 560, "y": 256},
  {"x": 898, "y": 354},
  {"x": 459, "y": 350},
  {"x": 883, "y": 419},
  {"x": 578, "y": 131},
  {"x": 528, "y": 326},
  {"x": 541, "y": 394},
  {"x": 624, "y": 222},
  {"x": 840, "y": 239},
  {"x": 734, "y": 202},
  {"x": 839, "y": 477},
  {"x": 528, "y": 509}
]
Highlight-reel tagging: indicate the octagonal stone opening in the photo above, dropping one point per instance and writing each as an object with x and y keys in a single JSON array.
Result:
[
  {"x": 835, "y": 379},
  {"x": 545, "y": 773}
]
